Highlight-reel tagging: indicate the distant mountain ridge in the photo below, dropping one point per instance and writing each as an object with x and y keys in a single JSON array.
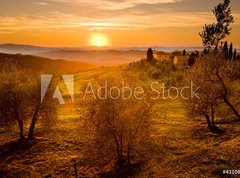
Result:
[
  {"x": 21, "y": 48},
  {"x": 30, "y": 49},
  {"x": 36, "y": 63},
  {"x": 167, "y": 49},
  {"x": 93, "y": 55},
  {"x": 100, "y": 57}
]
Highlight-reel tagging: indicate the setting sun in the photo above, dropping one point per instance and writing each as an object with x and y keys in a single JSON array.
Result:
[{"x": 99, "y": 40}]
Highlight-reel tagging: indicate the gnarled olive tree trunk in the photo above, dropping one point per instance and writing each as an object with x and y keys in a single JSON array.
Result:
[{"x": 33, "y": 123}]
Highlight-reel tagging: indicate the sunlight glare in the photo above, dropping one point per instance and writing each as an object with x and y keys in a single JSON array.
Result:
[{"x": 99, "y": 40}]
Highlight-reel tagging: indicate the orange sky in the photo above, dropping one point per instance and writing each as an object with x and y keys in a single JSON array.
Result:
[{"x": 115, "y": 23}]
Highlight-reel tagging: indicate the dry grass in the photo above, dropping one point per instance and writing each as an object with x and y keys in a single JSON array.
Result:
[{"x": 181, "y": 146}]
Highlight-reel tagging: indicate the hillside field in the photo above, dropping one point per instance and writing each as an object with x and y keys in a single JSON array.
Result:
[{"x": 181, "y": 147}]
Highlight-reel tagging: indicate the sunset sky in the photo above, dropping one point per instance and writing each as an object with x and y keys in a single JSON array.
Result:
[{"x": 116, "y": 23}]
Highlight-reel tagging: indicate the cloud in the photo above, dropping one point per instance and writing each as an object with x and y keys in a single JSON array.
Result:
[
  {"x": 42, "y": 3},
  {"x": 61, "y": 21},
  {"x": 113, "y": 4}
]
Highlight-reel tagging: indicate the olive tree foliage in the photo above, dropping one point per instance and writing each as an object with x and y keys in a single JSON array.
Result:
[
  {"x": 216, "y": 79},
  {"x": 14, "y": 86},
  {"x": 117, "y": 129},
  {"x": 213, "y": 34},
  {"x": 20, "y": 98}
]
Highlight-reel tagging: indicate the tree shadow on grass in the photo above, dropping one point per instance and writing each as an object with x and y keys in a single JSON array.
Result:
[
  {"x": 10, "y": 150},
  {"x": 204, "y": 132},
  {"x": 124, "y": 172},
  {"x": 224, "y": 130},
  {"x": 230, "y": 120}
]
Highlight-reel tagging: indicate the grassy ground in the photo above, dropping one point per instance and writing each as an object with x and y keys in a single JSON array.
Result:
[
  {"x": 182, "y": 146},
  {"x": 190, "y": 150}
]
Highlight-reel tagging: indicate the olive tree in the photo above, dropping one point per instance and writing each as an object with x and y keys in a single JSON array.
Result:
[
  {"x": 118, "y": 128},
  {"x": 216, "y": 81},
  {"x": 20, "y": 98},
  {"x": 14, "y": 84}
]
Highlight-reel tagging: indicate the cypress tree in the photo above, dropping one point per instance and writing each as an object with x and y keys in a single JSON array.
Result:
[
  {"x": 197, "y": 54},
  {"x": 230, "y": 53},
  {"x": 238, "y": 57},
  {"x": 184, "y": 52},
  {"x": 225, "y": 50},
  {"x": 205, "y": 51},
  {"x": 192, "y": 59},
  {"x": 235, "y": 55},
  {"x": 149, "y": 55}
]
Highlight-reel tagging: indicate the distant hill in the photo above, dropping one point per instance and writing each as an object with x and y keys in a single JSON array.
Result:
[
  {"x": 91, "y": 55},
  {"x": 23, "y": 49},
  {"x": 100, "y": 57},
  {"x": 96, "y": 56},
  {"x": 44, "y": 64},
  {"x": 167, "y": 49},
  {"x": 30, "y": 49}
]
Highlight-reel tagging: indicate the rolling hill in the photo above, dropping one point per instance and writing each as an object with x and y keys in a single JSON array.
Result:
[
  {"x": 44, "y": 64},
  {"x": 100, "y": 57}
]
